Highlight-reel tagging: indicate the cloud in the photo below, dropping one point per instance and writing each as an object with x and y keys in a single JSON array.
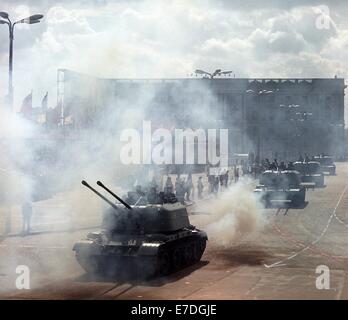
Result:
[{"x": 152, "y": 38}]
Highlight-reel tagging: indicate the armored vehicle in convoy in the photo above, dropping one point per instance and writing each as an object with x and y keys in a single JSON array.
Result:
[
  {"x": 281, "y": 188},
  {"x": 152, "y": 238},
  {"x": 311, "y": 174},
  {"x": 327, "y": 165}
]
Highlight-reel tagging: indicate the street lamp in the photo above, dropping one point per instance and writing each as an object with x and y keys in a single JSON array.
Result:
[
  {"x": 217, "y": 72},
  {"x": 4, "y": 19}
]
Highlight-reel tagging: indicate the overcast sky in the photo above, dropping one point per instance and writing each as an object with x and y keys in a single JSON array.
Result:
[{"x": 275, "y": 38}]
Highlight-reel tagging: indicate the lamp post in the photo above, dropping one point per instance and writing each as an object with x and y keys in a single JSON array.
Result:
[
  {"x": 4, "y": 19},
  {"x": 217, "y": 72}
]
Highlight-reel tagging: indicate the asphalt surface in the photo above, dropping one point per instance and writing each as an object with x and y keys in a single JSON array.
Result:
[{"x": 280, "y": 262}]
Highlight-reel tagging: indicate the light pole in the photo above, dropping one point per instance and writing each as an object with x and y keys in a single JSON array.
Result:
[{"x": 4, "y": 19}]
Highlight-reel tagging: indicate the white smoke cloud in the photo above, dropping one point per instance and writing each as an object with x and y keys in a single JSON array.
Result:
[
  {"x": 236, "y": 214},
  {"x": 155, "y": 39}
]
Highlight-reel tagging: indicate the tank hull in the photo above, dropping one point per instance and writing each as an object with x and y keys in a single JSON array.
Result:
[
  {"x": 282, "y": 198},
  {"x": 317, "y": 179},
  {"x": 147, "y": 256}
]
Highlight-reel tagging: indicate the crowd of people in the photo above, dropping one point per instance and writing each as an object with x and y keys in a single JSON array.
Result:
[
  {"x": 282, "y": 165},
  {"x": 184, "y": 187}
]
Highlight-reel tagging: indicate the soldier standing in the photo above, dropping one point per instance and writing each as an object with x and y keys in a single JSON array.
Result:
[
  {"x": 211, "y": 183},
  {"x": 306, "y": 158},
  {"x": 177, "y": 181},
  {"x": 180, "y": 191},
  {"x": 282, "y": 166},
  {"x": 236, "y": 174},
  {"x": 188, "y": 186},
  {"x": 226, "y": 179},
  {"x": 216, "y": 185},
  {"x": 200, "y": 187},
  {"x": 168, "y": 188}
]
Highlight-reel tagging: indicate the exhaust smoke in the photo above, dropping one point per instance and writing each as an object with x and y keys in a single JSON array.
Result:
[{"x": 235, "y": 214}]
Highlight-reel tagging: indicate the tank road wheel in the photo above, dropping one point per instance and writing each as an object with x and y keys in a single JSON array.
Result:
[
  {"x": 199, "y": 249},
  {"x": 92, "y": 264},
  {"x": 188, "y": 254},
  {"x": 196, "y": 250},
  {"x": 202, "y": 245},
  {"x": 176, "y": 259},
  {"x": 163, "y": 263}
]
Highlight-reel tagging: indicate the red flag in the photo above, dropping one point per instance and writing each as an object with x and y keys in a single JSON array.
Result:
[{"x": 27, "y": 106}]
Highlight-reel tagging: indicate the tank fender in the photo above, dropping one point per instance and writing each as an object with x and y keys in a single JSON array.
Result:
[
  {"x": 87, "y": 245},
  {"x": 149, "y": 249}
]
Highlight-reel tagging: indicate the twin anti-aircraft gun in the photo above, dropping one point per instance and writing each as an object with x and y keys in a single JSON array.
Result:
[{"x": 155, "y": 239}]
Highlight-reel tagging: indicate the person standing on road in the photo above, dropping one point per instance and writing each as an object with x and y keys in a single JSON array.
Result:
[
  {"x": 225, "y": 179},
  {"x": 216, "y": 185},
  {"x": 200, "y": 187},
  {"x": 236, "y": 174},
  {"x": 169, "y": 188},
  {"x": 27, "y": 211},
  {"x": 188, "y": 186}
]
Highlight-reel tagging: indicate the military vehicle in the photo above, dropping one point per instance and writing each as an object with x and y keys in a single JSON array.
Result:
[
  {"x": 327, "y": 164},
  {"x": 312, "y": 175},
  {"x": 154, "y": 239},
  {"x": 281, "y": 188}
]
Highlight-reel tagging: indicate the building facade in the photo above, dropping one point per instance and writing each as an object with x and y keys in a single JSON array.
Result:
[{"x": 274, "y": 118}]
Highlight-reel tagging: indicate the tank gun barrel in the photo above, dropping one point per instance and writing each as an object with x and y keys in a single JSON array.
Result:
[
  {"x": 99, "y": 194},
  {"x": 113, "y": 194}
]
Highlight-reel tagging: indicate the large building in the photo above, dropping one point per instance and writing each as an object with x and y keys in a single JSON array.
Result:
[{"x": 268, "y": 117}]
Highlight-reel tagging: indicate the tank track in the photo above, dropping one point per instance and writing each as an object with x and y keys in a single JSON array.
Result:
[{"x": 172, "y": 256}]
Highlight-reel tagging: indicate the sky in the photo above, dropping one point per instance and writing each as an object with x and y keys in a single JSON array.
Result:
[{"x": 172, "y": 38}]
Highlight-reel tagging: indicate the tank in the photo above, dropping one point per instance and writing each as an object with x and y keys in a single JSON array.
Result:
[
  {"x": 150, "y": 239},
  {"x": 327, "y": 165},
  {"x": 281, "y": 188},
  {"x": 311, "y": 173}
]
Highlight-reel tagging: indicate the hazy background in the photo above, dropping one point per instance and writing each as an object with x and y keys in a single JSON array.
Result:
[{"x": 153, "y": 38}]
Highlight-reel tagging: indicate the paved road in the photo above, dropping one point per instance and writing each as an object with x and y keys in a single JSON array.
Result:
[{"x": 278, "y": 263}]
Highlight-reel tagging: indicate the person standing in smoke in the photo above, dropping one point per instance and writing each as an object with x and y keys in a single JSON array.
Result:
[
  {"x": 216, "y": 185},
  {"x": 188, "y": 186},
  {"x": 222, "y": 178},
  {"x": 282, "y": 166},
  {"x": 168, "y": 187},
  {"x": 211, "y": 183},
  {"x": 180, "y": 191},
  {"x": 306, "y": 158},
  {"x": 177, "y": 182},
  {"x": 226, "y": 179},
  {"x": 236, "y": 174},
  {"x": 200, "y": 188},
  {"x": 153, "y": 184},
  {"x": 27, "y": 212}
]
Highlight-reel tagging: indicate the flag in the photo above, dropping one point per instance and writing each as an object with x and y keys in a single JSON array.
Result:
[
  {"x": 42, "y": 117},
  {"x": 27, "y": 106},
  {"x": 44, "y": 103}
]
